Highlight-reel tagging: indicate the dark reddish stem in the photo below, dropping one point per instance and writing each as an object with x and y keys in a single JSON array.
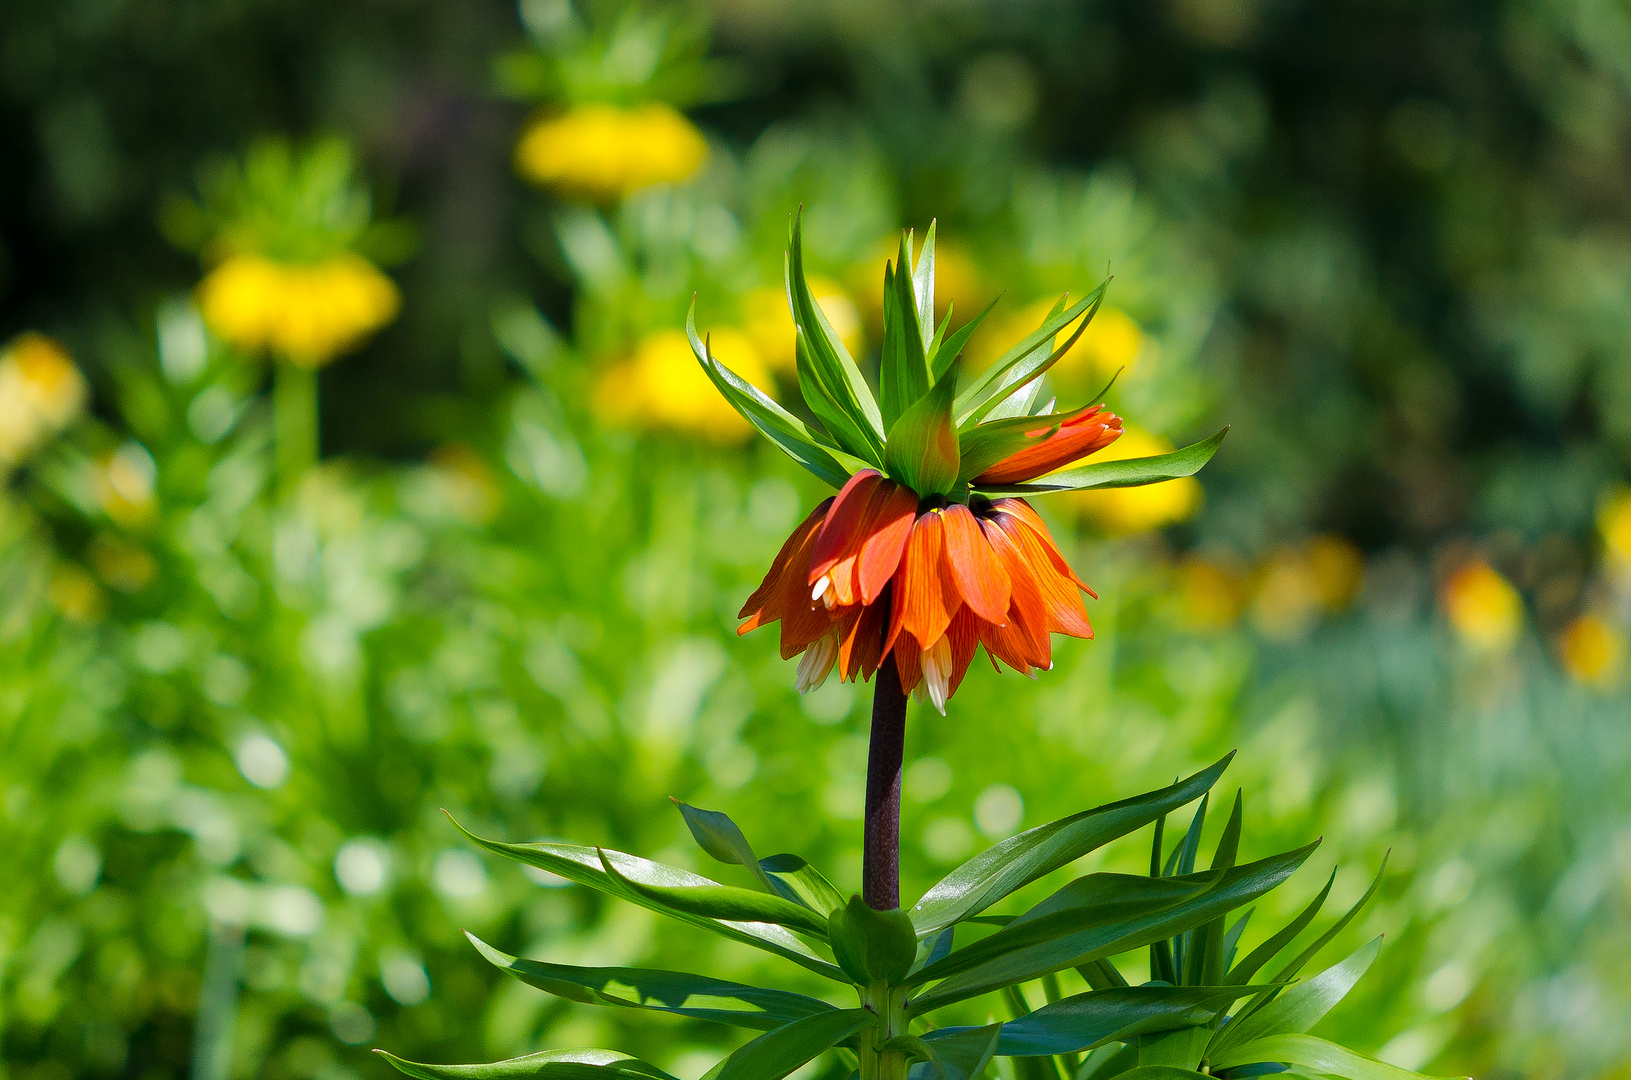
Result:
[{"x": 880, "y": 858}]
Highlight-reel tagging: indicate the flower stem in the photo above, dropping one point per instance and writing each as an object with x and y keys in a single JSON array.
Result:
[
  {"x": 294, "y": 421},
  {"x": 880, "y": 858}
]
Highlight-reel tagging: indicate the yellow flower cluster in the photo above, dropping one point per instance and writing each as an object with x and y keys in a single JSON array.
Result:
[
  {"x": 1614, "y": 523},
  {"x": 768, "y": 322},
  {"x": 604, "y": 152},
  {"x": 1592, "y": 651},
  {"x": 662, "y": 386},
  {"x": 40, "y": 391},
  {"x": 306, "y": 313},
  {"x": 1484, "y": 609},
  {"x": 1122, "y": 511}
]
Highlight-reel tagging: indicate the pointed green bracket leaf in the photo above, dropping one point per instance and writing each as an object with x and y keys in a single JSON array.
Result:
[
  {"x": 1268, "y": 950},
  {"x": 802, "y": 883},
  {"x": 903, "y": 368},
  {"x": 1314, "y": 1054},
  {"x": 993, "y": 384},
  {"x": 549, "y": 1065},
  {"x": 1084, "y": 1021},
  {"x": 772, "y": 421},
  {"x": 776, "y": 1053},
  {"x": 828, "y": 378},
  {"x": 677, "y": 992},
  {"x": 1026, "y": 375},
  {"x": 720, "y": 837},
  {"x": 1301, "y": 1007},
  {"x": 725, "y": 903},
  {"x": 1094, "y": 917},
  {"x": 950, "y": 348},
  {"x": 1180, "y": 1049},
  {"x": 922, "y": 449},
  {"x": 1130, "y": 472},
  {"x": 1020, "y": 860},
  {"x": 957, "y": 1053},
  {"x": 872, "y": 946},
  {"x": 923, "y": 286},
  {"x": 584, "y": 866}
]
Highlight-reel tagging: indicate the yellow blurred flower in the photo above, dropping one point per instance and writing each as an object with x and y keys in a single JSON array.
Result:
[
  {"x": 1297, "y": 583},
  {"x": 40, "y": 391},
  {"x": 306, "y": 313},
  {"x": 1112, "y": 341},
  {"x": 768, "y": 322},
  {"x": 606, "y": 152},
  {"x": 1211, "y": 593},
  {"x": 1137, "y": 509},
  {"x": 662, "y": 385},
  {"x": 1483, "y": 607},
  {"x": 1592, "y": 651},
  {"x": 124, "y": 484},
  {"x": 75, "y": 594},
  {"x": 1614, "y": 522}
]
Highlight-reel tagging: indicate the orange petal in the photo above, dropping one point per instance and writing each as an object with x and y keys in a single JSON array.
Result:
[
  {"x": 908, "y": 662},
  {"x": 1080, "y": 434},
  {"x": 964, "y": 633},
  {"x": 1023, "y": 643},
  {"x": 975, "y": 568},
  {"x": 1066, "y": 615},
  {"x": 764, "y": 606},
  {"x": 881, "y": 552},
  {"x": 840, "y": 533},
  {"x": 1027, "y": 514},
  {"x": 924, "y": 597},
  {"x": 860, "y": 647}
]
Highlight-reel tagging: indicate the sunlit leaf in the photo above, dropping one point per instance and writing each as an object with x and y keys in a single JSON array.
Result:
[
  {"x": 1131, "y": 472},
  {"x": 776, "y": 1053},
  {"x": 549, "y": 1065}
]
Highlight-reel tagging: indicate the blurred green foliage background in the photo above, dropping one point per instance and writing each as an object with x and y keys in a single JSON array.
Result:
[{"x": 1389, "y": 243}]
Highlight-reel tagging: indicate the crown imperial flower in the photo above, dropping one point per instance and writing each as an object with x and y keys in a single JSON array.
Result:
[{"x": 929, "y": 550}]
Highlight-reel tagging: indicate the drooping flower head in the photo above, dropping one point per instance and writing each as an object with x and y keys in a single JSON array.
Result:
[
  {"x": 929, "y": 551},
  {"x": 291, "y": 244}
]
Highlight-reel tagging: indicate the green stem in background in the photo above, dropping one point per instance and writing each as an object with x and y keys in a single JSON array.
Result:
[
  {"x": 294, "y": 421},
  {"x": 880, "y": 854},
  {"x": 218, "y": 1003}
]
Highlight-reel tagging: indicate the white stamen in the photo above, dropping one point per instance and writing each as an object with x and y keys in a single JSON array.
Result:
[
  {"x": 818, "y": 662},
  {"x": 937, "y": 665},
  {"x": 820, "y": 587}
]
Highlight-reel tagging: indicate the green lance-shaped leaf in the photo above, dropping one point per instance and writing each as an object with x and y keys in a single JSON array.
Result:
[
  {"x": 1017, "y": 392},
  {"x": 584, "y": 866},
  {"x": 1084, "y": 1021},
  {"x": 922, "y": 449},
  {"x": 677, "y": 992},
  {"x": 903, "y": 367},
  {"x": 774, "y": 422},
  {"x": 1310, "y": 1053},
  {"x": 950, "y": 348},
  {"x": 1020, "y": 860},
  {"x": 786, "y": 875},
  {"x": 549, "y": 1065},
  {"x": 776, "y": 1053},
  {"x": 1301, "y": 1007},
  {"x": 1268, "y": 950},
  {"x": 1203, "y": 954},
  {"x": 1130, "y": 472},
  {"x": 995, "y": 383},
  {"x": 1181, "y": 1049},
  {"x": 872, "y": 946},
  {"x": 1156, "y": 1072},
  {"x": 726, "y": 903},
  {"x": 1097, "y": 916},
  {"x": 960, "y": 1053},
  {"x": 828, "y": 378}
]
